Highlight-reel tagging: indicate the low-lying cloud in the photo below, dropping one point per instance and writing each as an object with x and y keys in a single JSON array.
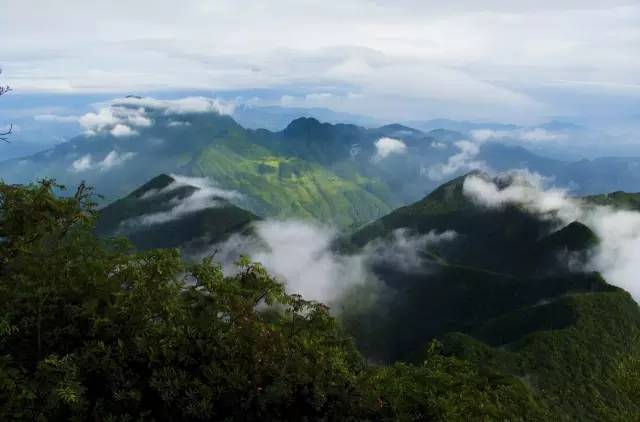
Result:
[
  {"x": 206, "y": 195},
  {"x": 617, "y": 255},
  {"x": 301, "y": 254},
  {"x": 126, "y": 116},
  {"x": 188, "y": 105},
  {"x": 406, "y": 250},
  {"x": 388, "y": 146},
  {"x": 111, "y": 160},
  {"x": 531, "y": 135},
  {"x": 464, "y": 160}
]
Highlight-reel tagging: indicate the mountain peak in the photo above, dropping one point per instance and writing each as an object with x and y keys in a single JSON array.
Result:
[
  {"x": 305, "y": 126},
  {"x": 573, "y": 237},
  {"x": 159, "y": 182}
]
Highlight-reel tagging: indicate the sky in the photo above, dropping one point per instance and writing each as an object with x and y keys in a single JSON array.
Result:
[{"x": 495, "y": 60}]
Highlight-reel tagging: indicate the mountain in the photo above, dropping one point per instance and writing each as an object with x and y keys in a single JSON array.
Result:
[
  {"x": 621, "y": 200},
  {"x": 273, "y": 183},
  {"x": 457, "y": 125},
  {"x": 502, "y": 296},
  {"x": 275, "y": 118},
  {"x": 511, "y": 241},
  {"x": 167, "y": 213},
  {"x": 341, "y": 174}
]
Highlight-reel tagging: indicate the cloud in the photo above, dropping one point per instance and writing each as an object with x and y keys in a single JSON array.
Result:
[
  {"x": 122, "y": 116},
  {"x": 118, "y": 120},
  {"x": 617, "y": 256},
  {"x": 449, "y": 58},
  {"x": 531, "y": 135},
  {"x": 523, "y": 188},
  {"x": 464, "y": 160},
  {"x": 207, "y": 195},
  {"x": 388, "y": 146},
  {"x": 188, "y": 105},
  {"x": 302, "y": 255},
  {"x": 120, "y": 130},
  {"x": 404, "y": 250},
  {"x": 178, "y": 123},
  {"x": 112, "y": 159},
  {"x": 81, "y": 164},
  {"x": 55, "y": 118}
]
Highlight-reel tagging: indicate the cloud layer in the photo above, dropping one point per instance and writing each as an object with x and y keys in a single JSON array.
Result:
[
  {"x": 404, "y": 59},
  {"x": 302, "y": 255},
  {"x": 617, "y": 256},
  {"x": 123, "y": 117},
  {"x": 111, "y": 160},
  {"x": 207, "y": 195},
  {"x": 463, "y": 161}
]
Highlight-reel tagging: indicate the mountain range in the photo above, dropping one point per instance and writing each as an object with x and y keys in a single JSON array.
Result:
[
  {"x": 342, "y": 174},
  {"x": 504, "y": 288}
]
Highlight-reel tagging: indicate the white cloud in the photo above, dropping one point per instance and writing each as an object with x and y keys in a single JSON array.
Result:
[
  {"x": 207, "y": 195},
  {"x": 81, "y": 164},
  {"x": 180, "y": 106},
  {"x": 617, "y": 256},
  {"x": 541, "y": 135},
  {"x": 302, "y": 255},
  {"x": 531, "y": 135},
  {"x": 122, "y": 116},
  {"x": 523, "y": 188},
  {"x": 116, "y": 119},
  {"x": 112, "y": 159},
  {"x": 423, "y": 57},
  {"x": 405, "y": 250},
  {"x": 120, "y": 130},
  {"x": 178, "y": 123},
  {"x": 56, "y": 118},
  {"x": 388, "y": 146},
  {"x": 464, "y": 160}
]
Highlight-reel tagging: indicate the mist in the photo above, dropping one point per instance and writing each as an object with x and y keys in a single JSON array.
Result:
[
  {"x": 617, "y": 256},
  {"x": 303, "y": 256},
  {"x": 206, "y": 195}
]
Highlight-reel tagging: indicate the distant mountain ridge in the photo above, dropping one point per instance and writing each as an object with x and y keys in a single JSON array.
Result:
[{"x": 341, "y": 174}]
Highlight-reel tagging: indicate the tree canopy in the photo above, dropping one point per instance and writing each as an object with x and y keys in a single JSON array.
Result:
[{"x": 91, "y": 329}]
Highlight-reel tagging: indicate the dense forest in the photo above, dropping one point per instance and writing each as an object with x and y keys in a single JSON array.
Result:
[{"x": 92, "y": 329}]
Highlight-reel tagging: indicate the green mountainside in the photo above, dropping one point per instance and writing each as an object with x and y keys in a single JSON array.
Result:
[
  {"x": 621, "y": 200},
  {"x": 484, "y": 329},
  {"x": 494, "y": 239},
  {"x": 275, "y": 182},
  {"x": 332, "y": 173},
  {"x": 200, "y": 227},
  {"x": 502, "y": 296}
]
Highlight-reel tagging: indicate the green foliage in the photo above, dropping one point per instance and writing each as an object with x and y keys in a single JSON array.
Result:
[
  {"x": 281, "y": 185},
  {"x": 622, "y": 200},
  {"x": 451, "y": 389},
  {"x": 90, "y": 330}
]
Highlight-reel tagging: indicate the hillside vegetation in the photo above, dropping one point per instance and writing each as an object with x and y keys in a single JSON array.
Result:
[{"x": 106, "y": 333}]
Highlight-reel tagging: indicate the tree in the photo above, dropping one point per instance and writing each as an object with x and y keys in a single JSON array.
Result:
[
  {"x": 4, "y": 136},
  {"x": 91, "y": 329}
]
